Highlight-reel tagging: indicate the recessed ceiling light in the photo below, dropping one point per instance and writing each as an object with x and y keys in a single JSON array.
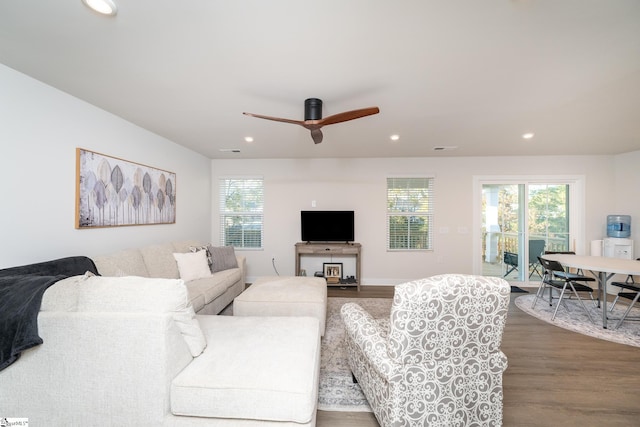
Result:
[
  {"x": 248, "y": 138},
  {"x": 528, "y": 135},
  {"x": 394, "y": 137},
  {"x": 105, "y": 7}
]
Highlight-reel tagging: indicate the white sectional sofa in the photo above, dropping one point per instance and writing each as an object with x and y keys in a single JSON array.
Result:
[
  {"x": 129, "y": 351},
  {"x": 209, "y": 295}
]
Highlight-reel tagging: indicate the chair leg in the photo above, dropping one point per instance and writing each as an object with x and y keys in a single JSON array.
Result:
[
  {"x": 550, "y": 296},
  {"x": 627, "y": 310},
  {"x": 539, "y": 294},
  {"x": 534, "y": 269},
  {"x": 581, "y": 302},
  {"x": 613, "y": 304},
  {"x": 560, "y": 301},
  {"x": 509, "y": 270}
]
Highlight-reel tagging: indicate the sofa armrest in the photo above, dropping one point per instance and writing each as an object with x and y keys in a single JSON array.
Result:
[
  {"x": 120, "y": 364},
  {"x": 370, "y": 337},
  {"x": 242, "y": 265}
]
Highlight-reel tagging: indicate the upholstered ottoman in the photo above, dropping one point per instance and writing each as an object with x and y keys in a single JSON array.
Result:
[{"x": 284, "y": 296}]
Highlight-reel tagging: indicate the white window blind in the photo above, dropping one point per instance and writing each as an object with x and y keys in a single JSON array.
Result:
[
  {"x": 241, "y": 212},
  {"x": 409, "y": 213}
]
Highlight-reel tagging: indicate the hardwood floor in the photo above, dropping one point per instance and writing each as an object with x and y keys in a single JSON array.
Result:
[{"x": 555, "y": 377}]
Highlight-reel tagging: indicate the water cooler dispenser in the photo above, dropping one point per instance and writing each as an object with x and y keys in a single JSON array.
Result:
[{"x": 618, "y": 244}]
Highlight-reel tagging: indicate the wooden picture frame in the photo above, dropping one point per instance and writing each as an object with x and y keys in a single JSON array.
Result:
[
  {"x": 332, "y": 271},
  {"x": 112, "y": 192}
]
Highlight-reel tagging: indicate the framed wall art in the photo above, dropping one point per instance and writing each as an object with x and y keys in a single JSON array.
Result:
[
  {"x": 332, "y": 271},
  {"x": 112, "y": 192}
]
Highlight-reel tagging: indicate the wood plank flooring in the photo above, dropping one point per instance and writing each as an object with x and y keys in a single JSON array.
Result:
[{"x": 555, "y": 377}]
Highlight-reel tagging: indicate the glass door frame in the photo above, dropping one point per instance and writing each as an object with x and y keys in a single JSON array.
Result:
[{"x": 576, "y": 210}]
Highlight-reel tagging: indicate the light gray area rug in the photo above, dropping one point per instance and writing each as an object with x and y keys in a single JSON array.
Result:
[
  {"x": 576, "y": 319},
  {"x": 337, "y": 390}
]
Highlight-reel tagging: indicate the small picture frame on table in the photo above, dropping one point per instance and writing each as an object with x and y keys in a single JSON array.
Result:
[{"x": 332, "y": 271}]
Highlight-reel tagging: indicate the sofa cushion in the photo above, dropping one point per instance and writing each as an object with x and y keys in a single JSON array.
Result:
[
  {"x": 259, "y": 368},
  {"x": 192, "y": 265},
  {"x": 214, "y": 286},
  {"x": 160, "y": 261},
  {"x": 222, "y": 258},
  {"x": 128, "y": 262},
  {"x": 196, "y": 298}
]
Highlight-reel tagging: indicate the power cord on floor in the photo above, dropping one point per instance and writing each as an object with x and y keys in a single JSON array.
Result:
[{"x": 273, "y": 262}]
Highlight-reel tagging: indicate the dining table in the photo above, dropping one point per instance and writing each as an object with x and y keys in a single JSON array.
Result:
[{"x": 602, "y": 268}]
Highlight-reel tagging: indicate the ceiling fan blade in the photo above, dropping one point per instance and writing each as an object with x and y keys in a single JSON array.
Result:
[
  {"x": 276, "y": 119},
  {"x": 316, "y": 135},
  {"x": 348, "y": 115}
]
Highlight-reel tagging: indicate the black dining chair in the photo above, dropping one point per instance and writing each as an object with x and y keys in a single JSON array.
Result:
[
  {"x": 556, "y": 277},
  {"x": 536, "y": 248},
  {"x": 633, "y": 296},
  {"x": 629, "y": 289},
  {"x": 510, "y": 259}
]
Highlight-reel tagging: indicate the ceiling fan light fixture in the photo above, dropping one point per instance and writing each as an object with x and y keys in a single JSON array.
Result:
[
  {"x": 313, "y": 120},
  {"x": 312, "y": 109},
  {"x": 104, "y": 7}
]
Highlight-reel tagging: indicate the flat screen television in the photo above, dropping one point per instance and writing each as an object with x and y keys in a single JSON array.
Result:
[{"x": 327, "y": 226}]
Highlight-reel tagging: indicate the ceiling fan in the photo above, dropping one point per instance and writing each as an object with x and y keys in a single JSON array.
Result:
[{"x": 313, "y": 117}]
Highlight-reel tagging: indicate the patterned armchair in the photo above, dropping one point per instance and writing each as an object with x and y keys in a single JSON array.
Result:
[{"x": 437, "y": 360}]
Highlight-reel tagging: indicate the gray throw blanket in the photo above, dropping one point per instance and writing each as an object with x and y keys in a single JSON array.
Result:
[{"x": 21, "y": 291}]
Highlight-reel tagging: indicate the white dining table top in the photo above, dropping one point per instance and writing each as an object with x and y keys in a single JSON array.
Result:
[{"x": 597, "y": 263}]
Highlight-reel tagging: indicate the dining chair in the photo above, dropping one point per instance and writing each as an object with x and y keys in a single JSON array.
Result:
[
  {"x": 629, "y": 284},
  {"x": 510, "y": 259},
  {"x": 556, "y": 277},
  {"x": 536, "y": 248},
  {"x": 633, "y": 296},
  {"x": 629, "y": 289}
]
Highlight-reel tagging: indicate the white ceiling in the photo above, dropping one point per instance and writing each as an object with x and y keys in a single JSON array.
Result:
[{"x": 468, "y": 73}]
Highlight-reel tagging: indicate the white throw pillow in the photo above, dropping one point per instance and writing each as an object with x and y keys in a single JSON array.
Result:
[{"x": 192, "y": 265}]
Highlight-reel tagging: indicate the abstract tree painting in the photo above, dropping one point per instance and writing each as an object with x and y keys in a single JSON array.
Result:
[{"x": 112, "y": 192}]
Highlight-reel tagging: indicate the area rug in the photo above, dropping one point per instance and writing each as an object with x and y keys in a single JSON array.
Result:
[
  {"x": 337, "y": 390},
  {"x": 576, "y": 319}
]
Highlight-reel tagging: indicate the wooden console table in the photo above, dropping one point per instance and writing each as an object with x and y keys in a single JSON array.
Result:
[{"x": 319, "y": 249}]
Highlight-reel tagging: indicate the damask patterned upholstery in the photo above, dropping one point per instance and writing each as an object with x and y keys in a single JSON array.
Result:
[{"x": 437, "y": 360}]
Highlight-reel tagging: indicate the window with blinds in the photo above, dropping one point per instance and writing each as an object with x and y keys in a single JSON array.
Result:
[
  {"x": 409, "y": 213},
  {"x": 241, "y": 212}
]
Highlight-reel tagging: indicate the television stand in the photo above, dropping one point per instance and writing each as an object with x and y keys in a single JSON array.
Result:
[{"x": 323, "y": 249}]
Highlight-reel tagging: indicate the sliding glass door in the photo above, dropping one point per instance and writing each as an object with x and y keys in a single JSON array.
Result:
[
  {"x": 502, "y": 229},
  {"x": 520, "y": 219}
]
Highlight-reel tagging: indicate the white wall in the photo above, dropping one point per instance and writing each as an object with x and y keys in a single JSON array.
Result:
[
  {"x": 627, "y": 191},
  {"x": 360, "y": 185},
  {"x": 41, "y": 128}
]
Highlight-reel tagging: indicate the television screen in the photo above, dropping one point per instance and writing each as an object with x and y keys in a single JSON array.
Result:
[{"x": 327, "y": 226}]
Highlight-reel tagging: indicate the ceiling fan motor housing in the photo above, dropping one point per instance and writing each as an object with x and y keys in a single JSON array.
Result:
[{"x": 312, "y": 109}]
